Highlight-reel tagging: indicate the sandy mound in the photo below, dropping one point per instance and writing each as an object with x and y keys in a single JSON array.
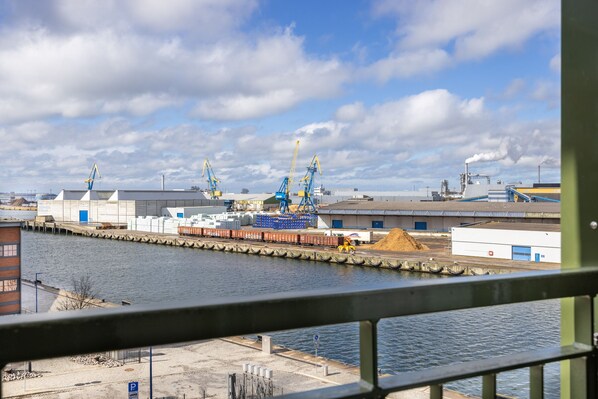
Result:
[
  {"x": 399, "y": 240},
  {"x": 19, "y": 202}
]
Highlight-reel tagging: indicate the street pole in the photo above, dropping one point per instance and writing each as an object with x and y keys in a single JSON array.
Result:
[
  {"x": 151, "y": 384},
  {"x": 36, "y": 280}
]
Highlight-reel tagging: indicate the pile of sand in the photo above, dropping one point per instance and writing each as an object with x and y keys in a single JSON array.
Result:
[
  {"x": 19, "y": 202},
  {"x": 399, "y": 240}
]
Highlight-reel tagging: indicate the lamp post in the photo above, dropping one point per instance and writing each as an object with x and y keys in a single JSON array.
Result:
[
  {"x": 151, "y": 376},
  {"x": 35, "y": 282}
]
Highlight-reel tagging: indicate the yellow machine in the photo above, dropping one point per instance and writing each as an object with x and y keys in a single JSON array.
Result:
[{"x": 347, "y": 246}]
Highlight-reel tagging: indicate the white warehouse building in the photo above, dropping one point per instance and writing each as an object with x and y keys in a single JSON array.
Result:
[
  {"x": 118, "y": 206},
  {"x": 530, "y": 242}
]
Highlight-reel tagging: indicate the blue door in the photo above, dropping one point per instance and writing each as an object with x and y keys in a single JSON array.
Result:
[
  {"x": 83, "y": 216},
  {"x": 337, "y": 224},
  {"x": 522, "y": 253},
  {"x": 421, "y": 225},
  {"x": 377, "y": 224},
  {"x": 537, "y": 257}
]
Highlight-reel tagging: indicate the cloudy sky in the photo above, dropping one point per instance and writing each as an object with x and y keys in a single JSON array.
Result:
[{"x": 390, "y": 94}]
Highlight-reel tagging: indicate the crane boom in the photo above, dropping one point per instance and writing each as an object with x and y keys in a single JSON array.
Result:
[
  {"x": 212, "y": 179},
  {"x": 284, "y": 190},
  {"x": 92, "y": 176},
  {"x": 292, "y": 171},
  {"x": 307, "y": 204}
]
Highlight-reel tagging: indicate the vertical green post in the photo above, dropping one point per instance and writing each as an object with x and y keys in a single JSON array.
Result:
[
  {"x": 536, "y": 382},
  {"x": 489, "y": 386},
  {"x": 579, "y": 158},
  {"x": 436, "y": 392},
  {"x": 368, "y": 353}
]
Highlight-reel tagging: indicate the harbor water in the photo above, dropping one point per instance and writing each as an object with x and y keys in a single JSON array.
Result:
[{"x": 142, "y": 273}]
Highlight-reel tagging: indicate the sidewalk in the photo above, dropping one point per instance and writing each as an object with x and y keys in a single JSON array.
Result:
[
  {"x": 184, "y": 371},
  {"x": 194, "y": 370}
]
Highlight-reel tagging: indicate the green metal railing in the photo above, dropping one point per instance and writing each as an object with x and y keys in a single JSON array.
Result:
[{"x": 91, "y": 331}]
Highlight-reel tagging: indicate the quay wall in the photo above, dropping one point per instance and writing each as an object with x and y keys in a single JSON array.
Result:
[{"x": 314, "y": 254}]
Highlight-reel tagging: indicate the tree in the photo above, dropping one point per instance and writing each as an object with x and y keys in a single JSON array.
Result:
[{"x": 82, "y": 296}]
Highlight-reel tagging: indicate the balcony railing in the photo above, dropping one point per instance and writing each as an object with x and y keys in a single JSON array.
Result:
[{"x": 91, "y": 331}]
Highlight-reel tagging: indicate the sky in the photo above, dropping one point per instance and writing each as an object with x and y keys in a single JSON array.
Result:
[{"x": 389, "y": 94}]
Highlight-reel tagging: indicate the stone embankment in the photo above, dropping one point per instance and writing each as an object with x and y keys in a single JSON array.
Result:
[{"x": 317, "y": 254}]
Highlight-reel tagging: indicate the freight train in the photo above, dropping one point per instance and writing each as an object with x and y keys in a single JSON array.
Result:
[{"x": 264, "y": 236}]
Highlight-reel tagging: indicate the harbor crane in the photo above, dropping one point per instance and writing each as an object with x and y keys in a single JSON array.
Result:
[
  {"x": 92, "y": 175},
  {"x": 307, "y": 204},
  {"x": 282, "y": 194},
  {"x": 212, "y": 179}
]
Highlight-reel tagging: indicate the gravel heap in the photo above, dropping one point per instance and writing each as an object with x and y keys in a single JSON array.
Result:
[
  {"x": 95, "y": 360},
  {"x": 14, "y": 375},
  {"x": 399, "y": 240}
]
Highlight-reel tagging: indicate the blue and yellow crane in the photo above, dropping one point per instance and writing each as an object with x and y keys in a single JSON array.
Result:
[
  {"x": 307, "y": 204},
  {"x": 92, "y": 176},
  {"x": 282, "y": 194},
  {"x": 212, "y": 180}
]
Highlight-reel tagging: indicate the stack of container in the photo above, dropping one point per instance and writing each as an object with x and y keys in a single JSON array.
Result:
[{"x": 285, "y": 222}]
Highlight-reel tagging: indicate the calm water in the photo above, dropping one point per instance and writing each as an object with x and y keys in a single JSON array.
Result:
[
  {"x": 145, "y": 273},
  {"x": 25, "y": 215}
]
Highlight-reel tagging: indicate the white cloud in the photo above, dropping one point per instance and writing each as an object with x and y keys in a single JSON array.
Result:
[
  {"x": 404, "y": 64},
  {"x": 200, "y": 18},
  {"x": 515, "y": 87},
  {"x": 350, "y": 112},
  {"x": 114, "y": 69},
  {"x": 428, "y": 135},
  {"x": 433, "y": 34}
]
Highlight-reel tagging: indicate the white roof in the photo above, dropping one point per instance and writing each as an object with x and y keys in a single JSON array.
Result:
[
  {"x": 66, "y": 195},
  {"x": 247, "y": 197},
  {"x": 156, "y": 195}
]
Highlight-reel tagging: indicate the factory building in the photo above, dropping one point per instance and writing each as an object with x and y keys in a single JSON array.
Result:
[
  {"x": 118, "y": 206},
  {"x": 517, "y": 241},
  {"x": 10, "y": 267},
  {"x": 432, "y": 216}
]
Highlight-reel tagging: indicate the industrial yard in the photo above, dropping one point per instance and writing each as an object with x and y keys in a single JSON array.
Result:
[{"x": 436, "y": 259}]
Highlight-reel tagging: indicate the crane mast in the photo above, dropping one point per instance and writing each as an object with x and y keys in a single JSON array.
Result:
[
  {"x": 283, "y": 192},
  {"x": 212, "y": 179},
  {"x": 307, "y": 204},
  {"x": 92, "y": 175}
]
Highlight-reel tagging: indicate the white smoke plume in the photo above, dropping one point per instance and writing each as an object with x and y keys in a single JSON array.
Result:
[
  {"x": 510, "y": 148},
  {"x": 486, "y": 157}
]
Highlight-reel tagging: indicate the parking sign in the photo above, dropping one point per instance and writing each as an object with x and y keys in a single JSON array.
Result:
[{"x": 133, "y": 390}]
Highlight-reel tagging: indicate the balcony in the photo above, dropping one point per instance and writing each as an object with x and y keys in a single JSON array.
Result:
[{"x": 139, "y": 326}]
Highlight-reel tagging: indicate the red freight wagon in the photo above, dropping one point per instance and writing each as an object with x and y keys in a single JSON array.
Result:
[
  {"x": 255, "y": 235},
  {"x": 221, "y": 233},
  {"x": 274, "y": 236},
  {"x": 321, "y": 240},
  {"x": 190, "y": 231}
]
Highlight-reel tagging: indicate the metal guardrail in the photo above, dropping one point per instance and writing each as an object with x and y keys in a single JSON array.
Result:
[{"x": 91, "y": 331}]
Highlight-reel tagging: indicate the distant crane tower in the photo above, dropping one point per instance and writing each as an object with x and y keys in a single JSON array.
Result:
[
  {"x": 212, "y": 180},
  {"x": 92, "y": 176},
  {"x": 282, "y": 194},
  {"x": 307, "y": 204}
]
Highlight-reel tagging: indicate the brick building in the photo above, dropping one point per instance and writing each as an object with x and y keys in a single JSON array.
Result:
[{"x": 10, "y": 267}]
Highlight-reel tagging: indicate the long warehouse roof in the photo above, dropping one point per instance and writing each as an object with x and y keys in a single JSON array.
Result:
[
  {"x": 445, "y": 208},
  {"x": 543, "y": 227}
]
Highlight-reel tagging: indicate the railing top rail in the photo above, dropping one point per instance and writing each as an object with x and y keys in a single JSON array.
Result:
[{"x": 143, "y": 325}]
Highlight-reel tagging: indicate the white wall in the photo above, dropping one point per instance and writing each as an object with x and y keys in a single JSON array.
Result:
[
  {"x": 193, "y": 210},
  {"x": 498, "y": 243}
]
